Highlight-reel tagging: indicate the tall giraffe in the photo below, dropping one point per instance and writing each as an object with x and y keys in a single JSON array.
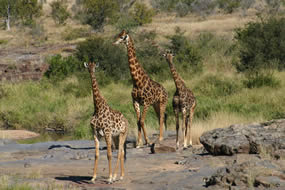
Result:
[
  {"x": 183, "y": 101},
  {"x": 146, "y": 92},
  {"x": 107, "y": 123}
]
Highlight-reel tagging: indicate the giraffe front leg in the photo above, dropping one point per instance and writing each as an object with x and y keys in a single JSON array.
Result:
[
  {"x": 119, "y": 157},
  {"x": 184, "y": 131},
  {"x": 162, "y": 108},
  {"x": 96, "y": 158},
  {"x": 108, "y": 139},
  {"x": 189, "y": 136},
  {"x": 142, "y": 123},
  {"x": 176, "y": 111},
  {"x": 122, "y": 144},
  {"x": 137, "y": 110}
]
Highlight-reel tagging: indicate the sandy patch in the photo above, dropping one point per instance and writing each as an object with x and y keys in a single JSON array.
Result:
[{"x": 17, "y": 134}]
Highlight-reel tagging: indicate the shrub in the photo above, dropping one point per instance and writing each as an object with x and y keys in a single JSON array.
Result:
[
  {"x": 112, "y": 60},
  {"x": 75, "y": 33},
  {"x": 229, "y": 5},
  {"x": 213, "y": 86},
  {"x": 38, "y": 32},
  {"x": 203, "y": 7},
  {"x": 261, "y": 47},
  {"x": 186, "y": 53},
  {"x": 274, "y": 6},
  {"x": 61, "y": 67},
  {"x": 96, "y": 13},
  {"x": 141, "y": 14},
  {"x": 59, "y": 11},
  {"x": 261, "y": 80},
  {"x": 182, "y": 8},
  {"x": 27, "y": 10},
  {"x": 164, "y": 5},
  {"x": 126, "y": 22}
]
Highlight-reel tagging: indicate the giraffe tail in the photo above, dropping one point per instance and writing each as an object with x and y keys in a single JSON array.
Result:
[{"x": 165, "y": 121}]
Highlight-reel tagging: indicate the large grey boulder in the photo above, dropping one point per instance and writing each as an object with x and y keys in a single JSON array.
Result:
[{"x": 268, "y": 137}]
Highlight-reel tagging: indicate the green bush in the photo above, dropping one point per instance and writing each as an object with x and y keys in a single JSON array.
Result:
[
  {"x": 28, "y": 10},
  {"x": 186, "y": 53},
  {"x": 261, "y": 47},
  {"x": 164, "y": 5},
  {"x": 126, "y": 22},
  {"x": 183, "y": 7},
  {"x": 113, "y": 63},
  {"x": 97, "y": 13},
  {"x": 59, "y": 11},
  {"x": 141, "y": 14},
  {"x": 229, "y": 5},
  {"x": 62, "y": 67}
]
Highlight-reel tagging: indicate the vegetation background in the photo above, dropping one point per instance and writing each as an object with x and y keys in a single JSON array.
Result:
[{"x": 230, "y": 54}]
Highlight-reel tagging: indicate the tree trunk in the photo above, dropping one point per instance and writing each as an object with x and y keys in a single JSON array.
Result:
[{"x": 8, "y": 18}]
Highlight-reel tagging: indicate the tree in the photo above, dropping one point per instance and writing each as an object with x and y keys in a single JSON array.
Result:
[
  {"x": 27, "y": 10},
  {"x": 59, "y": 11},
  {"x": 261, "y": 50},
  {"x": 97, "y": 12},
  {"x": 141, "y": 14},
  {"x": 7, "y": 11}
]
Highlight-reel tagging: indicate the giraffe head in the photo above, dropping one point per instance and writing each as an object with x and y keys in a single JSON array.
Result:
[
  {"x": 91, "y": 66},
  {"x": 123, "y": 37},
  {"x": 168, "y": 55}
]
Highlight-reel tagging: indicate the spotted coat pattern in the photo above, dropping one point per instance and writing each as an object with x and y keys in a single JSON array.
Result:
[
  {"x": 183, "y": 101},
  {"x": 107, "y": 123},
  {"x": 146, "y": 92}
]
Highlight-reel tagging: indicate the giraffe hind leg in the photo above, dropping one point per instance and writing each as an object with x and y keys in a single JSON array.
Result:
[
  {"x": 108, "y": 139},
  {"x": 160, "y": 112},
  {"x": 118, "y": 159}
]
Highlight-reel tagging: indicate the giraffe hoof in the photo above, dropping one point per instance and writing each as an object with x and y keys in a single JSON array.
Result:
[
  {"x": 110, "y": 181},
  {"x": 92, "y": 180}
]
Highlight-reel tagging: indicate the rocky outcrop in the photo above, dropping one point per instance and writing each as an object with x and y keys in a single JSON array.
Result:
[
  {"x": 29, "y": 63},
  {"x": 268, "y": 137},
  {"x": 248, "y": 172}
]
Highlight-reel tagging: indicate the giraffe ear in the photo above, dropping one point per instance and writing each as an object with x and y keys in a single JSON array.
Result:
[
  {"x": 85, "y": 65},
  {"x": 97, "y": 64}
]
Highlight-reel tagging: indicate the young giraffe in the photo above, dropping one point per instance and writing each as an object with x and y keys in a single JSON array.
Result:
[
  {"x": 107, "y": 123},
  {"x": 183, "y": 101},
  {"x": 146, "y": 92}
]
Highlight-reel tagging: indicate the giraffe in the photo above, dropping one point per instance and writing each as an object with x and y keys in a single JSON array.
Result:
[
  {"x": 183, "y": 101},
  {"x": 107, "y": 123},
  {"x": 146, "y": 92}
]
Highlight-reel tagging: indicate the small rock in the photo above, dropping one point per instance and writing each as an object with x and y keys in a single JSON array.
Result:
[
  {"x": 159, "y": 148},
  {"x": 27, "y": 165}
]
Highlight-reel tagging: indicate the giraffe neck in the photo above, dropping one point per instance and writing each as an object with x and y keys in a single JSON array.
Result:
[
  {"x": 98, "y": 99},
  {"x": 136, "y": 70},
  {"x": 179, "y": 83}
]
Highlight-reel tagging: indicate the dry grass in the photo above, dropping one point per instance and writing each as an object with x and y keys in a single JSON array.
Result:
[
  {"x": 219, "y": 120},
  {"x": 221, "y": 25}
]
